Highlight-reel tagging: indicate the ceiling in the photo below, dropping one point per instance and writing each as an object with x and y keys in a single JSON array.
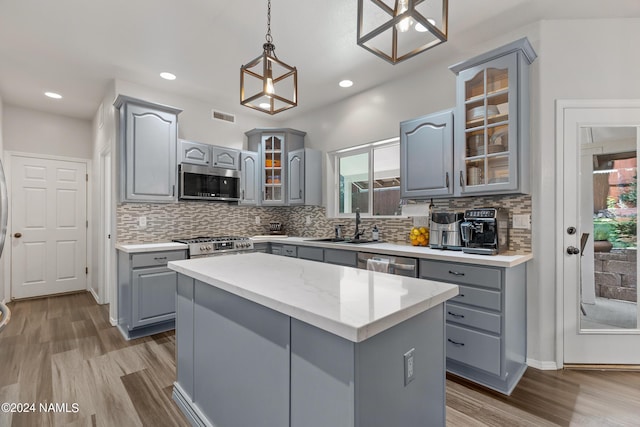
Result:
[{"x": 75, "y": 47}]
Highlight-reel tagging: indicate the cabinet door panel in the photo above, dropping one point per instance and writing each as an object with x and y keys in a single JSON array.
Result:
[
  {"x": 296, "y": 177},
  {"x": 225, "y": 158},
  {"x": 426, "y": 156},
  {"x": 151, "y": 154},
  {"x": 195, "y": 153},
  {"x": 249, "y": 178},
  {"x": 154, "y": 295}
]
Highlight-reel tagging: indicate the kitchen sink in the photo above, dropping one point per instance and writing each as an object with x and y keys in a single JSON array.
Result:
[
  {"x": 360, "y": 241},
  {"x": 343, "y": 240},
  {"x": 328, "y": 239}
]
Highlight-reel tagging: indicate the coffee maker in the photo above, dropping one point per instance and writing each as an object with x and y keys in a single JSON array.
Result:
[
  {"x": 444, "y": 231},
  {"x": 485, "y": 231}
]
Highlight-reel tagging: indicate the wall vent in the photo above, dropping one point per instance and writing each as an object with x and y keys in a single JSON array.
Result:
[{"x": 225, "y": 117}]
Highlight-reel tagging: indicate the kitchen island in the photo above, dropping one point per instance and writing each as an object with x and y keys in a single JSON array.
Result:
[{"x": 275, "y": 341}]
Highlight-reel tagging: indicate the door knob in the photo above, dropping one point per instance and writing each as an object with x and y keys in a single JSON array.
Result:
[
  {"x": 572, "y": 250},
  {"x": 17, "y": 235}
]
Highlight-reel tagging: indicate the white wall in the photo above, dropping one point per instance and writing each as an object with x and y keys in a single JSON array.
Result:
[
  {"x": 3, "y": 258},
  {"x": 576, "y": 59},
  {"x": 33, "y": 131}
]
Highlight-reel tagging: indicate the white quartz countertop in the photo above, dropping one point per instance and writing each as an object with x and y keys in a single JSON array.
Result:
[
  {"x": 151, "y": 247},
  {"x": 503, "y": 260},
  {"x": 351, "y": 303}
]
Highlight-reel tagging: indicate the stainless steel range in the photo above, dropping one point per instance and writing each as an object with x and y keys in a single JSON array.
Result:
[{"x": 200, "y": 247}]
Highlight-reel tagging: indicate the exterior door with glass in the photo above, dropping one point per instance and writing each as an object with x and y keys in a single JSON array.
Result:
[{"x": 598, "y": 201}]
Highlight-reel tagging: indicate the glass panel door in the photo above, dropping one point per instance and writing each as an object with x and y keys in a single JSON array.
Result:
[
  {"x": 272, "y": 163},
  {"x": 608, "y": 294}
]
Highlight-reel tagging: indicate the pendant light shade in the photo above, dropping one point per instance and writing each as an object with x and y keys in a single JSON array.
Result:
[
  {"x": 266, "y": 83},
  {"x": 396, "y": 30}
]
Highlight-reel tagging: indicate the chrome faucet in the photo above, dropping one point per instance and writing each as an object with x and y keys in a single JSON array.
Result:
[{"x": 358, "y": 233}]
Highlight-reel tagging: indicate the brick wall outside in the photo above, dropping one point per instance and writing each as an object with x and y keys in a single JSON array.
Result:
[{"x": 616, "y": 274}]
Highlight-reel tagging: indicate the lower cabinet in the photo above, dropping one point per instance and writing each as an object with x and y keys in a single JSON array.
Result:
[
  {"x": 146, "y": 292},
  {"x": 341, "y": 257},
  {"x": 284, "y": 250},
  {"x": 310, "y": 253},
  {"x": 486, "y": 322}
]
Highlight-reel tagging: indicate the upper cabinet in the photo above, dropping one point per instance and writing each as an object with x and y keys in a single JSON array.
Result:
[
  {"x": 226, "y": 158},
  {"x": 195, "y": 153},
  {"x": 283, "y": 168},
  {"x": 147, "y": 142},
  {"x": 249, "y": 178},
  {"x": 426, "y": 156},
  {"x": 492, "y": 121}
]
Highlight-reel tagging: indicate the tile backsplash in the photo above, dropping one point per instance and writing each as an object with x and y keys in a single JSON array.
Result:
[{"x": 190, "y": 219}]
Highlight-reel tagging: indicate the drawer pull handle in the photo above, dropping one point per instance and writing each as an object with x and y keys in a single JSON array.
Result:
[
  {"x": 160, "y": 258},
  {"x": 461, "y": 344},
  {"x": 455, "y": 273},
  {"x": 460, "y": 316}
]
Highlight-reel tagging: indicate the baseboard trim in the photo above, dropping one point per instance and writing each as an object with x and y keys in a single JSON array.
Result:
[
  {"x": 542, "y": 365},
  {"x": 95, "y": 295},
  {"x": 114, "y": 322},
  {"x": 592, "y": 367}
]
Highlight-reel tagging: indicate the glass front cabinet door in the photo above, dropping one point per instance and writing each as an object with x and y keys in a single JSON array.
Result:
[
  {"x": 272, "y": 175},
  {"x": 492, "y": 123}
]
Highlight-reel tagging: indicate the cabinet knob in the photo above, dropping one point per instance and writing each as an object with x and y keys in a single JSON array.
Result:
[{"x": 17, "y": 235}]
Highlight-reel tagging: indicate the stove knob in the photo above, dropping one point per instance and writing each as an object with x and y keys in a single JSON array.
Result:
[
  {"x": 202, "y": 248},
  {"x": 209, "y": 247}
]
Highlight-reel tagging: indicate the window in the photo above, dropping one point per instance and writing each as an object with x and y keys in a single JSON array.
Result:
[{"x": 359, "y": 170}]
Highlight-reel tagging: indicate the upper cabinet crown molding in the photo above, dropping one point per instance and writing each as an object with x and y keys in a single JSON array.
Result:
[
  {"x": 522, "y": 46},
  {"x": 122, "y": 99}
]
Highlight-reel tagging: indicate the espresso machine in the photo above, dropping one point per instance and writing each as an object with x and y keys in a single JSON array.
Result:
[
  {"x": 485, "y": 231},
  {"x": 444, "y": 231}
]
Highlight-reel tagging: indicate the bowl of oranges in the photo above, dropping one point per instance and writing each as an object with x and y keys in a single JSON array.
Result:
[{"x": 419, "y": 236}]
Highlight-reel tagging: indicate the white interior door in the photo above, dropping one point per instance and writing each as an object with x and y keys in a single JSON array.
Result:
[
  {"x": 48, "y": 222},
  {"x": 598, "y": 167}
]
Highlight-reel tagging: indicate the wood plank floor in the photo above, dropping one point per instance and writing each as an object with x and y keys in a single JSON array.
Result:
[{"x": 63, "y": 350}]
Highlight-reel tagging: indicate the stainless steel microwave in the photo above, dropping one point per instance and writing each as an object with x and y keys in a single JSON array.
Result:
[{"x": 208, "y": 183}]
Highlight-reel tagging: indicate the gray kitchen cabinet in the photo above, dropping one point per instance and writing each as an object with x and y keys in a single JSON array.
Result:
[
  {"x": 492, "y": 121},
  {"x": 304, "y": 183},
  {"x": 486, "y": 323},
  {"x": 195, "y": 153},
  {"x": 426, "y": 156},
  {"x": 261, "y": 247},
  {"x": 226, "y": 158},
  {"x": 146, "y": 292},
  {"x": 148, "y": 144},
  {"x": 273, "y": 146},
  {"x": 311, "y": 253},
  {"x": 249, "y": 179},
  {"x": 284, "y": 250},
  {"x": 341, "y": 257}
]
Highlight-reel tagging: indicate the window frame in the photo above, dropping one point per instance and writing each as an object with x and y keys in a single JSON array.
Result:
[{"x": 368, "y": 148}]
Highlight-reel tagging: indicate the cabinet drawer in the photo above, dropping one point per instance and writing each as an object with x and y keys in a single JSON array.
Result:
[
  {"x": 313, "y": 254},
  {"x": 479, "y": 297},
  {"x": 341, "y": 257},
  {"x": 473, "y": 348},
  {"x": 471, "y": 317},
  {"x": 288, "y": 250},
  {"x": 460, "y": 273},
  {"x": 153, "y": 259}
]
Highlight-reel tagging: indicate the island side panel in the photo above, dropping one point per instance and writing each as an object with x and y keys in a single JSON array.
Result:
[
  {"x": 241, "y": 360},
  {"x": 338, "y": 383},
  {"x": 184, "y": 334},
  {"x": 322, "y": 378},
  {"x": 382, "y": 398}
]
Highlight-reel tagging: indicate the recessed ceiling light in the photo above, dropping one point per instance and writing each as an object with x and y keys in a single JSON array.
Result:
[
  {"x": 168, "y": 76},
  {"x": 422, "y": 29},
  {"x": 265, "y": 105},
  {"x": 346, "y": 83},
  {"x": 53, "y": 95}
]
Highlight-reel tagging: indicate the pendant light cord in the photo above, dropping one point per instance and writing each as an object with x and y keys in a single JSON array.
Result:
[{"x": 268, "y": 35}]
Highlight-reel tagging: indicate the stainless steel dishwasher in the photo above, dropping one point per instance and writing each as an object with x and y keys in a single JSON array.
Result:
[{"x": 397, "y": 265}]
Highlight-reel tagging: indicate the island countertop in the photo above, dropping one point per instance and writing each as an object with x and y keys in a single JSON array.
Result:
[{"x": 351, "y": 303}]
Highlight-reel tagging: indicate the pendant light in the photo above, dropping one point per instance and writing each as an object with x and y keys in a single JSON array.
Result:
[
  {"x": 273, "y": 83},
  {"x": 396, "y": 30}
]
